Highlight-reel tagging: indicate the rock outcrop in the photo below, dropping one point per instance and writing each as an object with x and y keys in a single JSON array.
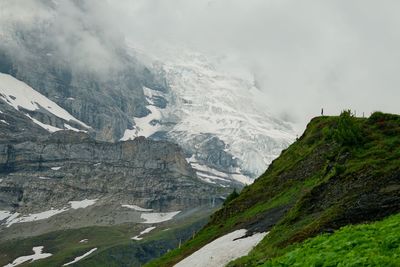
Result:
[{"x": 47, "y": 173}]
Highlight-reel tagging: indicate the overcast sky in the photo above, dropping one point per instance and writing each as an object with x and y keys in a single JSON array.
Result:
[{"x": 304, "y": 55}]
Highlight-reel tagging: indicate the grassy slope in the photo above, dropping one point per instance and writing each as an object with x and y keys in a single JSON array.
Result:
[
  {"x": 65, "y": 244},
  {"x": 375, "y": 244},
  {"x": 115, "y": 247},
  {"x": 316, "y": 182}
]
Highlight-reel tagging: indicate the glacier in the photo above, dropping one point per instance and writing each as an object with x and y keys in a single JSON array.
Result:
[{"x": 216, "y": 117}]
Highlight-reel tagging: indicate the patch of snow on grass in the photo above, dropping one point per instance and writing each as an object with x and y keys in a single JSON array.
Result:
[
  {"x": 82, "y": 203},
  {"x": 145, "y": 231},
  {"x": 223, "y": 250},
  {"x": 81, "y": 257},
  {"x": 157, "y": 217},
  {"x": 137, "y": 208},
  {"x": 37, "y": 256},
  {"x": 84, "y": 241}
]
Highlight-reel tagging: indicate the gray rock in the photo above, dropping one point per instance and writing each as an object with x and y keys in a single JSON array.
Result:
[{"x": 38, "y": 175}]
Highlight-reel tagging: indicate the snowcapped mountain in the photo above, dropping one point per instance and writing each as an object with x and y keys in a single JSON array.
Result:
[
  {"x": 226, "y": 132},
  {"x": 216, "y": 117}
]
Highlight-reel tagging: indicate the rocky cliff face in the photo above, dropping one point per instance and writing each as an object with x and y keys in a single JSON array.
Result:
[
  {"x": 47, "y": 173},
  {"x": 106, "y": 102}
]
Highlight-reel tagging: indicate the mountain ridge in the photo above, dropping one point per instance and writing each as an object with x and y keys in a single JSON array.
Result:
[{"x": 342, "y": 170}]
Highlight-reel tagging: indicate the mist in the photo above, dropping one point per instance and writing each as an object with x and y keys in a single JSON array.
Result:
[{"x": 304, "y": 55}]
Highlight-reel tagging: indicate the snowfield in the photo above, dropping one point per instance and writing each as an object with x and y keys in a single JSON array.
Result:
[
  {"x": 13, "y": 218},
  {"x": 82, "y": 203},
  {"x": 137, "y": 208},
  {"x": 223, "y": 250},
  {"x": 37, "y": 256},
  {"x": 33, "y": 217},
  {"x": 19, "y": 95},
  {"x": 158, "y": 217}
]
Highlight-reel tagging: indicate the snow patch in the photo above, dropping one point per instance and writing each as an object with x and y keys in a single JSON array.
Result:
[
  {"x": 223, "y": 250},
  {"x": 37, "y": 256},
  {"x": 82, "y": 203},
  {"x": 19, "y": 95},
  {"x": 145, "y": 126},
  {"x": 16, "y": 218},
  {"x": 209, "y": 175},
  {"x": 145, "y": 231},
  {"x": 55, "y": 168},
  {"x": 47, "y": 127},
  {"x": 137, "y": 208},
  {"x": 148, "y": 125},
  {"x": 84, "y": 241},
  {"x": 69, "y": 127},
  {"x": 157, "y": 217},
  {"x": 4, "y": 214},
  {"x": 33, "y": 217},
  {"x": 3, "y": 121},
  {"x": 81, "y": 257}
]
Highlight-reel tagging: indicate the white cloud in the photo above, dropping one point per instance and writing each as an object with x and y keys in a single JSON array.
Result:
[{"x": 305, "y": 55}]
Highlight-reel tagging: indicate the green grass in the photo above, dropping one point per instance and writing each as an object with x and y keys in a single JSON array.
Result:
[
  {"x": 65, "y": 246},
  {"x": 115, "y": 247},
  {"x": 375, "y": 244}
]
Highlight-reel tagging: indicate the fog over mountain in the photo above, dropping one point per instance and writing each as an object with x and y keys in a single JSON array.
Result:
[{"x": 303, "y": 55}]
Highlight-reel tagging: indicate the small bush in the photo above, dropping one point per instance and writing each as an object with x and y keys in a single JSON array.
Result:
[
  {"x": 231, "y": 197},
  {"x": 348, "y": 131}
]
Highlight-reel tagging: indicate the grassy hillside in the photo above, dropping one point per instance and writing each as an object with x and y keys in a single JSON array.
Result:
[
  {"x": 375, "y": 244},
  {"x": 343, "y": 170},
  {"x": 114, "y": 243}
]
